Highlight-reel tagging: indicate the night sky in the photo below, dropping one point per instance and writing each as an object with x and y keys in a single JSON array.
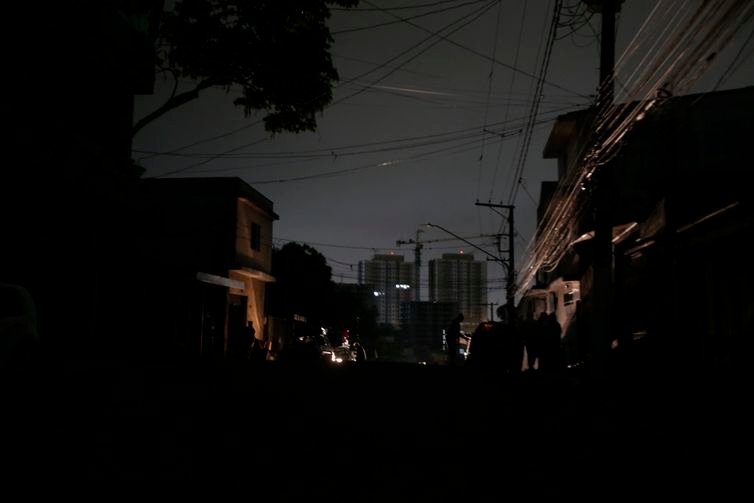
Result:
[{"x": 432, "y": 114}]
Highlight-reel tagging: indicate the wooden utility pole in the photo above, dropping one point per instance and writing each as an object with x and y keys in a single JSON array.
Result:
[
  {"x": 509, "y": 264},
  {"x": 602, "y": 288}
]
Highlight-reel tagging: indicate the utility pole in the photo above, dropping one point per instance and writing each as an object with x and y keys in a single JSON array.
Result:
[
  {"x": 510, "y": 263},
  {"x": 602, "y": 290}
]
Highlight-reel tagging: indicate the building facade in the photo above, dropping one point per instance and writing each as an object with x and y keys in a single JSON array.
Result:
[
  {"x": 673, "y": 201},
  {"x": 391, "y": 280},
  {"x": 459, "y": 279},
  {"x": 206, "y": 255}
]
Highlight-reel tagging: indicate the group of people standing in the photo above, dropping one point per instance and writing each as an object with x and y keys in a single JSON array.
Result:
[
  {"x": 531, "y": 345},
  {"x": 542, "y": 340}
]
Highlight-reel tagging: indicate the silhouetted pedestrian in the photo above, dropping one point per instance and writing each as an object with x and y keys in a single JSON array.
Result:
[
  {"x": 576, "y": 338},
  {"x": 512, "y": 345},
  {"x": 534, "y": 341},
  {"x": 551, "y": 352},
  {"x": 257, "y": 351},
  {"x": 484, "y": 347},
  {"x": 452, "y": 338}
]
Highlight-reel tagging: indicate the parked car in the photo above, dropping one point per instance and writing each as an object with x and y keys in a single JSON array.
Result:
[
  {"x": 494, "y": 345},
  {"x": 309, "y": 347}
]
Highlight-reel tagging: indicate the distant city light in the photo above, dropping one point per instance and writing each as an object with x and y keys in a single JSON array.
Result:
[{"x": 402, "y": 286}]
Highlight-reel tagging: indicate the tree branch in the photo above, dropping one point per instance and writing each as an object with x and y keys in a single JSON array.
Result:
[{"x": 174, "y": 102}]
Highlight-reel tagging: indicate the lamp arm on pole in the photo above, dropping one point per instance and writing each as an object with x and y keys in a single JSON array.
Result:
[{"x": 496, "y": 259}]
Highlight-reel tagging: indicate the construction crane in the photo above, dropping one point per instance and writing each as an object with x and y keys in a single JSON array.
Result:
[
  {"x": 418, "y": 245},
  {"x": 417, "y": 262}
]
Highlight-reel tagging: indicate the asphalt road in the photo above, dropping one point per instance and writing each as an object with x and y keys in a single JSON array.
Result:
[{"x": 370, "y": 432}]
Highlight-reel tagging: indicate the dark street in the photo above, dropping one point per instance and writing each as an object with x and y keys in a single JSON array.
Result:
[
  {"x": 370, "y": 432},
  {"x": 381, "y": 251}
]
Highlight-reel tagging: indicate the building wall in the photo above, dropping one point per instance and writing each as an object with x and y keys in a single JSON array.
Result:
[
  {"x": 254, "y": 253},
  {"x": 460, "y": 279},
  {"x": 204, "y": 226},
  {"x": 383, "y": 273},
  {"x": 249, "y": 215},
  {"x": 682, "y": 175}
]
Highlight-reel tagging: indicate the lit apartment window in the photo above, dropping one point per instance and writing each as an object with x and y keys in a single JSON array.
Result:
[{"x": 256, "y": 237}]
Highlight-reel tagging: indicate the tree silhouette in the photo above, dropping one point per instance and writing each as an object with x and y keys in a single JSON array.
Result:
[
  {"x": 303, "y": 283},
  {"x": 303, "y": 286},
  {"x": 274, "y": 53}
]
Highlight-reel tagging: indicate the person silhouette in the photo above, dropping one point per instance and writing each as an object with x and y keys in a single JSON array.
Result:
[
  {"x": 257, "y": 351},
  {"x": 534, "y": 341},
  {"x": 452, "y": 338},
  {"x": 511, "y": 342},
  {"x": 551, "y": 353}
]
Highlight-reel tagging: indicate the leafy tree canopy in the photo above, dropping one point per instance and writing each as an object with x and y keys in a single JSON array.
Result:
[
  {"x": 273, "y": 53},
  {"x": 303, "y": 283},
  {"x": 304, "y": 287}
]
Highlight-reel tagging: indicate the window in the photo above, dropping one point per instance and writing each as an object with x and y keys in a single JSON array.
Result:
[
  {"x": 256, "y": 236},
  {"x": 568, "y": 298}
]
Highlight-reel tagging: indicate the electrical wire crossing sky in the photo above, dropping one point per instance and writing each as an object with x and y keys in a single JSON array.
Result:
[{"x": 441, "y": 105}]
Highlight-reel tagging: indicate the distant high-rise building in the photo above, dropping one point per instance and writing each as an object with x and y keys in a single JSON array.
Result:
[
  {"x": 457, "y": 277},
  {"x": 391, "y": 280}
]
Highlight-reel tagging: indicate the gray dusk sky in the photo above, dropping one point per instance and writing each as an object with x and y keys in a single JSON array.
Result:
[{"x": 413, "y": 133}]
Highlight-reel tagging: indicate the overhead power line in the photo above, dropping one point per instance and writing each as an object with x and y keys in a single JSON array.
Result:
[
  {"x": 417, "y": 16},
  {"x": 484, "y": 56},
  {"x": 464, "y": 21},
  {"x": 380, "y": 9},
  {"x": 674, "y": 47},
  {"x": 381, "y": 146}
]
